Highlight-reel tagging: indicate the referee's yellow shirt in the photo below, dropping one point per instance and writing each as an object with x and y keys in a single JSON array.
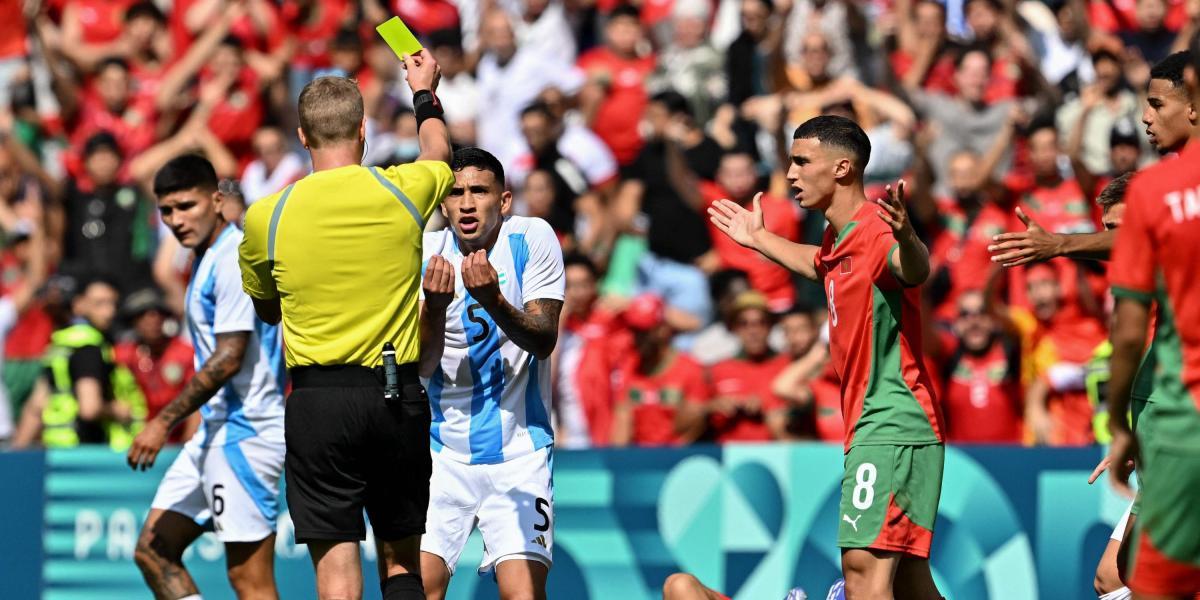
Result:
[{"x": 341, "y": 249}]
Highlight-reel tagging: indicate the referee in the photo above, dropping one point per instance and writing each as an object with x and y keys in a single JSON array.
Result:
[{"x": 337, "y": 257}]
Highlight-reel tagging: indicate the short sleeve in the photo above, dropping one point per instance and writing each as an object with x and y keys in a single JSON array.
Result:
[
  {"x": 425, "y": 183},
  {"x": 8, "y": 316},
  {"x": 1134, "y": 252},
  {"x": 257, "y": 280},
  {"x": 234, "y": 309},
  {"x": 544, "y": 275},
  {"x": 695, "y": 387},
  {"x": 85, "y": 362}
]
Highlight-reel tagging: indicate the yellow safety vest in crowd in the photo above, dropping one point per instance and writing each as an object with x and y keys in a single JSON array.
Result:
[{"x": 62, "y": 409}]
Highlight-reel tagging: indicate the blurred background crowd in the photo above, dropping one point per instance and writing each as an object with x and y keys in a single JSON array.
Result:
[{"x": 617, "y": 123}]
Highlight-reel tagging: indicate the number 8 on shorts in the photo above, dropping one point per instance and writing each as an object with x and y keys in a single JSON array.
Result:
[{"x": 890, "y": 497}]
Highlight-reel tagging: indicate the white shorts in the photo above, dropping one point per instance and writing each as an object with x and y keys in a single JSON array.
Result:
[
  {"x": 511, "y": 502},
  {"x": 1118, "y": 533},
  {"x": 232, "y": 487}
]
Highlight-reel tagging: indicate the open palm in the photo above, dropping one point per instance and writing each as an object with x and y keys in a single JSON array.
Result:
[{"x": 741, "y": 225}]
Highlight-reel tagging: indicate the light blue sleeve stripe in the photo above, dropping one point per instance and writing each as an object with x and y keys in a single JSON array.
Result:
[
  {"x": 265, "y": 499},
  {"x": 520, "y": 256},
  {"x": 391, "y": 187},
  {"x": 436, "y": 383},
  {"x": 271, "y": 230},
  {"x": 536, "y": 419}
]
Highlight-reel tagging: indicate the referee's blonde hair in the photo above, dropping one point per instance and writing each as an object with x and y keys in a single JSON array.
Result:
[{"x": 331, "y": 111}]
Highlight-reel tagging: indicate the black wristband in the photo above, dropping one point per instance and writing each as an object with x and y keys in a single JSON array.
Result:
[{"x": 426, "y": 106}]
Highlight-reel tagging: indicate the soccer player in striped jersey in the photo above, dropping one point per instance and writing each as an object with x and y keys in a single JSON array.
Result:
[
  {"x": 493, "y": 289},
  {"x": 227, "y": 476},
  {"x": 870, "y": 264}
]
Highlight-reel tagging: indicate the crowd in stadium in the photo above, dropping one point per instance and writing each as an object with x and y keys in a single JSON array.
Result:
[{"x": 618, "y": 124}]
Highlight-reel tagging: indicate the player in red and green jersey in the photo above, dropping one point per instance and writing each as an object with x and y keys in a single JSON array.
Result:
[
  {"x": 1156, "y": 258},
  {"x": 870, "y": 264}
]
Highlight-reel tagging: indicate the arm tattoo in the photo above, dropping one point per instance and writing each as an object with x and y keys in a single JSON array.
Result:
[
  {"x": 534, "y": 329},
  {"x": 224, "y": 363}
]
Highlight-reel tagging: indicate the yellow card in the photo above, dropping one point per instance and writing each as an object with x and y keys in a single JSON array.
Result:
[{"x": 398, "y": 37}]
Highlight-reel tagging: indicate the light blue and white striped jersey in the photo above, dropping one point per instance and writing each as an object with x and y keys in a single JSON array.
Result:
[
  {"x": 490, "y": 398},
  {"x": 215, "y": 304}
]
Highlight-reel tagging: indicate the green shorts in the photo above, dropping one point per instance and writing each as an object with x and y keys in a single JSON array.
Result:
[
  {"x": 890, "y": 497},
  {"x": 1166, "y": 551}
]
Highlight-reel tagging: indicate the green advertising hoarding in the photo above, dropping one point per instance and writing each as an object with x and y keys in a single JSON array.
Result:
[{"x": 750, "y": 520}]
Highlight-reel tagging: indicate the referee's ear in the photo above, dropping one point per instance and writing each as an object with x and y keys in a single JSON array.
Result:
[{"x": 303, "y": 139}]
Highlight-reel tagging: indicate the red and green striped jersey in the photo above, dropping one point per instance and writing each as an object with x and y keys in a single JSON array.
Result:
[
  {"x": 1157, "y": 257},
  {"x": 875, "y": 338}
]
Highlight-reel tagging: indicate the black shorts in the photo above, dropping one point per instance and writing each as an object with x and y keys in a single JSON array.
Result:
[{"x": 349, "y": 449}]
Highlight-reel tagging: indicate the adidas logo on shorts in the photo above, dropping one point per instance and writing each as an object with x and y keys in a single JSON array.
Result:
[{"x": 540, "y": 540}]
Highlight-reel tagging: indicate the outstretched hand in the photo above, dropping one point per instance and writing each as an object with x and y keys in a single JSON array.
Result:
[
  {"x": 1019, "y": 248},
  {"x": 894, "y": 212},
  {"x": 735, "y": 221}
]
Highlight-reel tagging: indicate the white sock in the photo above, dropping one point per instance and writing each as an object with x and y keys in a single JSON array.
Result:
[
  {"x": 1121, "y": 594},
  {"x": 192, "y": 597}
]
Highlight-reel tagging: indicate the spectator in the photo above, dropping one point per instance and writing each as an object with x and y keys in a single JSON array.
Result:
[
  {"x": 109, "y": 224},
  {"x": 689, "y": 64},
  {"x": 741, "y": 400},
  {"x": 924, "y": 56},
  {"x": 1056, "y": 350},
  {"x": 1149, "y": 38},
  {"x": 717, "y": 342},
  {"x": 113, "y": 108},
  {"x": 654, "y": 381},
  {"x": 965, "y": 120},
  {"x": 1092, "y": 116},
  {"x": 737, "y": 180},
  {"x": 755, "y": 54},
  {"x": 808, "y": 385},
  {"x": 543, "y": 28},
  {"x": 75, "y": 402},
  {"x": 615, "y": 95},
  {"x": 575, "y": 213},
  {"x": 502, "y": 64},
  {"x": 589, "y": 350},
  {"x": 396, "y": 146},
  {"x": 981, "y": 369},
  {"x": 581, "y": 145},
  {"x": 663, "y": 185},
  {"x": 311, "y": 24},
  {"x": 17, "y": 298},
  {"x": 274, "y": 165},
  {"x": 160, "y": 362},
  {"x": 457, "y": 90}
]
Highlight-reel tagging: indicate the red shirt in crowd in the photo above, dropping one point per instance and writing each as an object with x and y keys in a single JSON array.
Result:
[
  {"x": 162, "y": 377},
  {"x": 237, "y": 116},
  {"x": 617, "y": 119},
  {"x": 654, "y": 397},
  {"x": 746, "y": 382},
  {"x": 827, "y": 406},
  {"x": 939, "y": 78},
  {"x": 783, "y": 219},
  {"x": 960, "y": 246},
  {"x": 426, "y": 16},
  {"x": 12, "y": 29},
  {"x": 1112, "y": 16},
  {"x": 134, "y": 129},
  {"x": 313, "y": 37},
  {"x": 246, "y": 29},
  {"x": 983, "y": 397},
  {"x": 590, "y": 349},
  {"x": 29, "y": 337},
  {"x": 101, "y": 20}
]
